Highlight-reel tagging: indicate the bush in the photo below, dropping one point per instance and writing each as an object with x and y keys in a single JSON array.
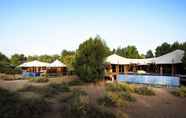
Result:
[
  {"x": 79, "y": 106},
  {"x": 8, "y": 103},
  {"x": 120, "y": 87},
  {"x": 12, "y": 106},
  {"x": 75, "y": 82},
  {"x": 9, "y": 77},
  {"x": 39, "y": 80},
  {"x": 180, "y": 92},
  {"x": 145, "y": 91},
  {"x": 112, "y": 99},
  {"x": 32, "y": 107}
]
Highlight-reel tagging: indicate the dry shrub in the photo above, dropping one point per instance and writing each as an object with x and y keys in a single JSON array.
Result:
[
  {"x": 12, "y": 105},
  {"x": 180, "y": 91},
  {"x": 145, "y": 91}
]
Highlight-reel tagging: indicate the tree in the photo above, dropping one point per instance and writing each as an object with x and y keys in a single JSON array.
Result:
[
  {"x": 129, "y": 52},
  {"x": 17, "y": 59},
  {"x": 67, "y": 57},
  {"x": 89, "y": 59},
  {"x": 163, "y": 49},
  {"x": 46, "y": 58},
  {"x": 149, "y": 54},
  {"x": 3, "y": 58}
]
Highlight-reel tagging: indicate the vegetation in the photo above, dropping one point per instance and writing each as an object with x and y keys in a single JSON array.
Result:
[
  {"x": 89, "y": 59},
  {"x": 17, "y": 59},
  {"x": 39, "y": 80},
  {"x": 144, "y": 91},
  {"x": 48, "y": 90},
  {"x": 129, "y": 52},
  {"x": 67, "y": 57},
  {"x": 118, "y": 87},
  {"x": 12, "y": 105},
  {"x": 79, "y": 106},
  {"x": 180, "y": 91},
  {"x": 149, "y": 54},
  {"x": 75, "y": 82}
]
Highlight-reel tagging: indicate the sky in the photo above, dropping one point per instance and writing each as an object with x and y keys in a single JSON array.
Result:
[{"x": 34, "y": 27}]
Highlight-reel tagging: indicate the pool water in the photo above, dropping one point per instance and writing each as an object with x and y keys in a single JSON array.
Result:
[{"x": 150, "y": 79}]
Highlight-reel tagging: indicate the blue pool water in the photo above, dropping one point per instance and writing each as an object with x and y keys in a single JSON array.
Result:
[
  {"x": 149, "y": 79},
  {"x": 30, "y": 74}
]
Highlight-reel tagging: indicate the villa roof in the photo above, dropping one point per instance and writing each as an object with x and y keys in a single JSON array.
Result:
[
  {"x": 174, "y": 57},
  {"x": 56, "y": 63},
  {"x": 34, "y": 63}
]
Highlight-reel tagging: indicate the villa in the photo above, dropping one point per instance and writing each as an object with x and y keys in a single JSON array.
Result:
[
  {"x": 169, "y": 63},
  {"x": 36, "y": 68}
]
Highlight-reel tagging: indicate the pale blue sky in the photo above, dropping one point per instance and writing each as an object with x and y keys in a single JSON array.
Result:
[{"x": 48, "y": 26}]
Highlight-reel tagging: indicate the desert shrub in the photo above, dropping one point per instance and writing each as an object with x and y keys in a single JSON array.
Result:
[
  {"x": 180, "y": 91},
  {"x": 39, "y": 79},
  {"x": 9, "y": 77},
  {"x": 79, "y": 106},
  {"x": 13, "y": 106},
  {"x": 120, "y": 87},
  {"x": 47, "y": 91},
  {"x": 112, "y": 99},
  {"x": 75, "y": 82},
  {"x": 144, "y": 91},
  {"x": 8, "y": 103},
  {"x": 32, "y": 107},
  {"x": 127, "y": 96}
]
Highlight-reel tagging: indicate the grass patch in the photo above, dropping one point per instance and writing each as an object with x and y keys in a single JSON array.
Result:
[
  {"x": 145, "y": 91},
  {"x": 181, "y": 92},
  {"x": 13, "y": 106}
]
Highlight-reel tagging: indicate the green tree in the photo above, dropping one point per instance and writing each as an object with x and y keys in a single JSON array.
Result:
[
  {"x": 3, "y": 58},
  {"x": 163, "y": 49},
  {"x": 129, "y": 52},
  {"x": 32, "y": 58},
  {"x": 149, "y": 54},
  {"x": 46, "y": 58},
  {"x": 67, "y": 57},
  {"x": 89, "y": 59},
  {"x": 17, "y": 59}
]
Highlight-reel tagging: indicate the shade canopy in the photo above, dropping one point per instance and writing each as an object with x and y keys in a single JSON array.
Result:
[
  {"x": 174, "y": 57},
  {"x": 56, "y": 63},
  {"x": 34, "y": 64}
]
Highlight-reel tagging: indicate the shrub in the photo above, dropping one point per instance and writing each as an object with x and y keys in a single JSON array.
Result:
[
  {"x": 79, "y": 106},
  {"x": 12, "y": 106},
  {"x": 9, "y": 77},
  {"x": 144, "y": 91},
  {"x": 180, "y": 92},
  {"x": 75, "y": 82},
  {"x": 120, "y": 87},
  {"x": 32, "y": 107},
  {"x": 112, "y": 99},
  {"x": 8, "y": 103},
  {"x": 39, "y": 80}
]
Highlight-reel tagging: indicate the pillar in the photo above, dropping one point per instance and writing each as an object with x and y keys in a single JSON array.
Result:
[
  {"x": 117, "y": 68},
  {"x": 173, "y": 69},
  {"x": 126, "y": 69},
  {"x": 161, "y": 69}
]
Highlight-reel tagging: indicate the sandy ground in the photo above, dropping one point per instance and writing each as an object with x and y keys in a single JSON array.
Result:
[{"x": 163, "y": 105}]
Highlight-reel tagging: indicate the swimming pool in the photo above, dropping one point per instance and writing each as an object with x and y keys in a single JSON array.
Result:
[{"x": 150, "y": 79}]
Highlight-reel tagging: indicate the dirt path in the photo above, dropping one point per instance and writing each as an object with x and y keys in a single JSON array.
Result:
[
  {"x": 13, "y": 85},
  {"x": 163, "y": 105}
]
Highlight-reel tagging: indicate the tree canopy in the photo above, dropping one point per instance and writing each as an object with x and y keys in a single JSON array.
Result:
[
  {"x": 129, "y": 52},
  {"x": 149, "y": 54},
  {"x": 89, "y": 59},
  {"x": 18, "y": 59}
]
